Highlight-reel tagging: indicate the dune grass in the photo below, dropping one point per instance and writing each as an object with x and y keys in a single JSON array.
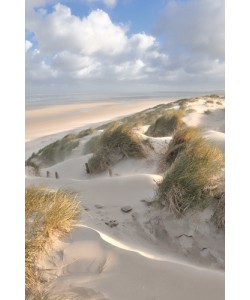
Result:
[
  {"x": 54, "y": 152},
  {"x": 91, "y": 145},
  {"x": 58, "y": 150},
  {"x": 219, "y": 214},
  {"x": 191, "y": 110},
  {"x": 85, "y": 132},
  {"x": 208, "y": 112},
  {"x": 214, "y": 96},
  {"x": 115, "y": 143},
  {"x": 191, "y": 178},
  {"x": 179, "y": 142},
  {"x": 34, "y": 166},
  {"x": 166, "y": 124},
  {"x": 209, "y": 101},
  {"x": 48, "y": 215},
  {"x": 145, "y": 117},
  {"x": 45, "y": 296}
]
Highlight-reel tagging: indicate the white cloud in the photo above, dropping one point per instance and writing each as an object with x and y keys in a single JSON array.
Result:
[
  {"x": 28, "y": 45},
  {"x": 60, "y": 31},
  {"x": 93, "y": 50},
  {"x": 131, "y": 70},
  {"x": 142, "y": 42},
  {"x": 91, "y": 47},
  {"x": 109, "y": 3},
  {"x": 76, "y": 65},
  {"x": 194, "y": 33},
  {"x": 37, "y": 69}
]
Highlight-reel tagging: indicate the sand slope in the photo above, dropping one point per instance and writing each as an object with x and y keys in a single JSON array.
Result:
[{"x": 148, "y": 253}]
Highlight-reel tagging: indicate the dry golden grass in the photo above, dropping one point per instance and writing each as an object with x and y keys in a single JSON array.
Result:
[
  {"x": 48, "y": 215},
  {"x": 91, "y": 145},
  {"x": 45, "y": 296},
  {"x": 219, "y": 214},
  {"x": 117, "y": 142},
  {"x": 192, "y": 177},
  {"x": 179, "y": 142},
  {"x": 166, "y": 124}
]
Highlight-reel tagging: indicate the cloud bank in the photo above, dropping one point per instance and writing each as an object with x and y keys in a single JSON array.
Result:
[{"x": 66, "y": 50}]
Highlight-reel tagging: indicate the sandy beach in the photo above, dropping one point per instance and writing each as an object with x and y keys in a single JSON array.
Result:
[
  {"x": 147, "y": 253},
  {"x": 58, "y": 118}
]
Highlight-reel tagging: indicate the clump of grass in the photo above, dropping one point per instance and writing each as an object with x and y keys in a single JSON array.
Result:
[
  {"x": 219, "y": 103},
  {"x": 191, "y": 110},
  {"x": 117, "y": 142},
  {"x": 48, "y": 215},
  {"x": 191, "y": 178},
  {"x": 207, "y": 112},
  {"x": 145, "y": 117},
  {"x": 183, "y": 101},
  {"x": 85, "y": 132},
  {"x": 166, "y": 124},
  {"x": 91, "y": 145},
  {"x": 179, "y": 142},
  {"x": 214, "y": 96},
  {"x": 55, "y": 152},
  {"x": 45, "y": 296},
  {"x": 210, "y": 101},
  {"x": 58, "y": 150},
  {"x": 33, "y": 165},
  {"x": 219, "y": 213}
]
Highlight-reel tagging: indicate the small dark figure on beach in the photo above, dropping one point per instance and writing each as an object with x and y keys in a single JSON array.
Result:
[
  {"x": 47, "y": 173},
  {"x": 56, "y": 175},
  {"x": 87, "y": 168}
]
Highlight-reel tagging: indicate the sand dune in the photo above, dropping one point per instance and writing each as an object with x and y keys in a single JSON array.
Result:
[
  {"x": 92, "y": 268},
  {"x": 145, "y": 253}
]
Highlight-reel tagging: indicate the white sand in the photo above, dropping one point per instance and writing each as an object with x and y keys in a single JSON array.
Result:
[
  {"x": 149, "y": 254},
  {"x": 59, "y": 118}
]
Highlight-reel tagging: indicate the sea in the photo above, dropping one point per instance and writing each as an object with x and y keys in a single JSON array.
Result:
[{"x": 41, "y": 100}]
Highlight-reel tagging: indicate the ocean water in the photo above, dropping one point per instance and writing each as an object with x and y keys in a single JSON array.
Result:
[{"x": 34, "y": 101}]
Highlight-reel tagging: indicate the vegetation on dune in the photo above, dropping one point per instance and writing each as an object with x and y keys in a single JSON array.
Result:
[
  {"x": 86, "y": 132},
  {"x": 33, "y": 165},
  {"x": 115, "y": 143},
  {"x": 214, "y": 96},
  {"x": 209, "y": 101},
  {"x": 207, "y": 112},
  {"x": 219, "y": 214},
  {"x": 54, "y": 152},
  {"x": 179, "y": 142},
  {"x": 194, "y": 174},
  {"x": 145, "y": 117},
  {"x": 58, "y": 150},
  {"x": 91, "y": 145},
  {"x": 149, "y": 116},
  {"x": 48, "y": 215},
  {"x": 45, "y": 296},
  {"x": 166, "y": 124},
  {"x": 191, "y": 110}
]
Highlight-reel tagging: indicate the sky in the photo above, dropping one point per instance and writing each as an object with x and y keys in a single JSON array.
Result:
[{"x": 112, "y": 47}]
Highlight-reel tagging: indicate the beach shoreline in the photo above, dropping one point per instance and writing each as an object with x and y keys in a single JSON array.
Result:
[{"x": 52, "y": 119}]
